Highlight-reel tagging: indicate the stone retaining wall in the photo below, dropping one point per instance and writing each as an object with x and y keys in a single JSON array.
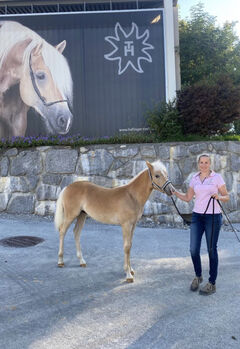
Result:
[{"x": 32, "y": 179}]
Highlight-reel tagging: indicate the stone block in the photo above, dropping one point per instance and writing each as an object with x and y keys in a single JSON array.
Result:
[
  {"x": 11, "y": 152},
  {"x": 234, "y": 147},
  {"x": 61, "y": 160},
  {"x": 147, "y": 151},
  {"x": 232, "y": 204},
  {"x": 179, "y": 152},
  {"x": 198, "y": 148},
  {"x": 26, "y": 163},
  {"x": 183, "y": 207},
  {"x": 18, "y": 184},
  {"x": 21, "y": 204},
  {"x": 83, "y": 149},
  {"x": 125, "y": 151},
  {"x": 235, "y": 162},
  {"x": 218, "y": 161},
  {"x": 228, "y": 178},
  {"x": 154, "y": 208},
  {"x": 219, "y": 146},
  {"x": 66, "y": 180},
  {"x": 45, "y": 208},
  {"x": 95, "y": 162},
  {"x": 174, "y": 173},
  {"x": 129, "y": 170},
  {"x": 117, "y": 163},
  {"x": 158, "y": 196},
  {"x": 4, "y": 198},
  {"x": 5, "y": 184},
  {"x": 51, "y": 178},
  {"x": 32, "y": 181},
  {"x": 4, "y": 166},
  {"x": 234, "y": 217},
  {"x": 117, "y": 182},
  {"x": 187, "y": 165},
  {"x": 162, "y": 152},
  {"x": 47, "y": 192},
  {"x": 102, "y": 181}
]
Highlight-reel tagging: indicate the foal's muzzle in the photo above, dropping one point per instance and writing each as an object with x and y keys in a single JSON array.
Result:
[{"x": 168, "y": 188}]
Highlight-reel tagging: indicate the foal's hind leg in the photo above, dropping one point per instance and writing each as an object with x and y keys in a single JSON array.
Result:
[
  {"x": 77, "y": 232},
  {"x": 128, "y": 230},
  {"x": 62, "y": 232}
]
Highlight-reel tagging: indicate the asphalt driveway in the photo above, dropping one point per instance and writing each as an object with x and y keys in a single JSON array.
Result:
[{"x": 46, "y": 307}]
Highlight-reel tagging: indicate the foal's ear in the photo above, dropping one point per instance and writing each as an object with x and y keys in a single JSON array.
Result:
[
  {"x": 149, "y": 166},
  {"x": 61, "y": 46}
]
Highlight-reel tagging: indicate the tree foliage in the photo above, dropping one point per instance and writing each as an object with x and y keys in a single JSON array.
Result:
[
  {"x": 206, "y": 48},
  {"x": 209, "y": 108}
]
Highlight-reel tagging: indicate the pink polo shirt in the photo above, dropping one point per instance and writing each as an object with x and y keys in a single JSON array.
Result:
[{"x": 203, "y": 191}]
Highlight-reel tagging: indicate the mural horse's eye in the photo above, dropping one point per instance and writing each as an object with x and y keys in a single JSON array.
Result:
[
  {"x": 40, "y": 75},
  {"x": 157, "y": 176}
]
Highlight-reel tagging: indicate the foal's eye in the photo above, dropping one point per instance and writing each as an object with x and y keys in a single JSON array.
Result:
[
  {"x": 40, "y": 75},
  {"x": 157, "y": 176}
]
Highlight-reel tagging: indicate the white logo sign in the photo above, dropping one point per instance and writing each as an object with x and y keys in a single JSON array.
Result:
[{"x": 129, "y": 49}]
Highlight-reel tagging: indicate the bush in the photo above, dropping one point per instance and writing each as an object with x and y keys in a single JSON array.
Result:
[
  {"x": 209, "y": 108},
  {"x": 236, "y": 125},
  {"x": 164, "y": 122}
]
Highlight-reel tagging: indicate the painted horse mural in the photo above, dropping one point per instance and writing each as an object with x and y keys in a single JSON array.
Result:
[{"x": 34, "y": 74}]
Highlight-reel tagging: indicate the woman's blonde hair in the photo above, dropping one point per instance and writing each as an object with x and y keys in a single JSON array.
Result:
[{"x": 203, "y": 156}]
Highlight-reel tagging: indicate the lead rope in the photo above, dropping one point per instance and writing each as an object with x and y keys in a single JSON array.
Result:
[
  {"x": 212, "y": 233},
  {"x": 233, "y": 229},
  {"x": 184, "y": 220}
]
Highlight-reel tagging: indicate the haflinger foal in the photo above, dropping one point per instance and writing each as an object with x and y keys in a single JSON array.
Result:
[{"x": 122, "y": 206}]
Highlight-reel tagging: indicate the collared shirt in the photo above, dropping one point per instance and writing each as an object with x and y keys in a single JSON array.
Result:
[{"x": 203, "y": 190}]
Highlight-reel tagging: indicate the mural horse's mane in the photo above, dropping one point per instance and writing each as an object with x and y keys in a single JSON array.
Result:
[{"x": 34, "y": 74}]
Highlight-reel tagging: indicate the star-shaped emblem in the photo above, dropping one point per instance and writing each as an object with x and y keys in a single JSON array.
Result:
[{"x": 129, "y": 49}]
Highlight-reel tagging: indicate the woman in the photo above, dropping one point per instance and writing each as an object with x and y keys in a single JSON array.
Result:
[{"x": 205, "y": 185}]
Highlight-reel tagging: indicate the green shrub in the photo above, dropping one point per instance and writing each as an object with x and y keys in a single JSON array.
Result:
[
  {"x": 209, "y": 108},
  {"x": 236, "y": 125},
  {"x": 164, "y": 122}
]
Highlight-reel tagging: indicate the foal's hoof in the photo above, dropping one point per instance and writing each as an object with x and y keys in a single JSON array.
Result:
[
  {"x": 83, "y": 265},
  {"x": 129, "y": 280},
  {"x": 132, "y": 272},
  {"x": 60, "y": 265}
]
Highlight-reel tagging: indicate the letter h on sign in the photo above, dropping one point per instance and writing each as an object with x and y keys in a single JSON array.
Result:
[{"x": 128, "y": 48}]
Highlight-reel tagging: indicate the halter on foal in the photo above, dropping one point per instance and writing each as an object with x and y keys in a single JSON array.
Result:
[{"x": 121, "y": 206}]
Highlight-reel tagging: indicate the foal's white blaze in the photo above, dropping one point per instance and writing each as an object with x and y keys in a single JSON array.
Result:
[{"x": 159, "y": 167}]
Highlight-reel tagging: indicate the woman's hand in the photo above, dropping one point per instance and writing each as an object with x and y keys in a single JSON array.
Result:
[
  {"x": 224, "y": 196},
  {"x": 185, "y": 197}
]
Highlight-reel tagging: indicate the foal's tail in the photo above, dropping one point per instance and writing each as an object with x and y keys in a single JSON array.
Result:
[{"x": 59, "y": 213}]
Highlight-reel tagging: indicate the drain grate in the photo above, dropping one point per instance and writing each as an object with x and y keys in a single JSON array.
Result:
[{"x": 21, "y": 241}]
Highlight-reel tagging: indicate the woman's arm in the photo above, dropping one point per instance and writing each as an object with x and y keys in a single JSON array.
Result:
[
  {"x": 185, "y": 197},
  {"x": 224, "y": 196}
]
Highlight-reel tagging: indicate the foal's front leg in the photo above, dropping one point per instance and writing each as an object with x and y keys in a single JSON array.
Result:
[{"x": 128, "y": 230}]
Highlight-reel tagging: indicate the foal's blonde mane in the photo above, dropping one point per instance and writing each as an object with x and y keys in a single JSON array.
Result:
[
  {"x": 157, "y": 166},
  {"x": 12, "y": 33}
]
